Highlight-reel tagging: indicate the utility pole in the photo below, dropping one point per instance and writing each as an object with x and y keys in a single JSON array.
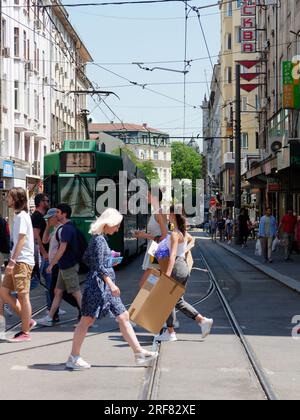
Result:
[
  {"x": 237, "y": 199},
  {"x": 84, "y": 114}
]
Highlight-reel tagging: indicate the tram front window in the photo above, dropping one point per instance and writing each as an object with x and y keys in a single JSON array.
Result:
[{"x": 80, "y": 193}]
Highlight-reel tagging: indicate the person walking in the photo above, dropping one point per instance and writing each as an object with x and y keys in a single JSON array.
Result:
[
  {"x": 19, "y": 269},
  {"x": 287, "y": 227},
  {"x": 157, "y": 229},
  {"x": 66, "y": 260},
  {"x": 229, "y": 229},
  {"x": 214, "y": 228},
  {"x": 178, "y": 269},
  {"x": 52, "y": 236},
  {"x": 267, "y": 233},
  {"x": 244, "y": 227},
  {"x": 221, "y": 228},
  {"x": 101, "y": 295},
  {"x": 42, "y": 204}
]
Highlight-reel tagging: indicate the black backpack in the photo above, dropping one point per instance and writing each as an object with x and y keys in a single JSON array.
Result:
[
  {"x": 78, "y": 248},
  {"x": 4, "y": 237}
]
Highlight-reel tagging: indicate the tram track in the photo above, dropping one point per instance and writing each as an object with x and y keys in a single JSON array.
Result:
[{"x": 151, "y": 384}]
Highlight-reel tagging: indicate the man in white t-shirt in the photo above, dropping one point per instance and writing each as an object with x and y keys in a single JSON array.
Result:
[{"x": 19, "y": 269}]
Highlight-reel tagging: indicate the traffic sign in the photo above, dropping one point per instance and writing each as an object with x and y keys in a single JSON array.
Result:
[{"x": 213, "y": 202}]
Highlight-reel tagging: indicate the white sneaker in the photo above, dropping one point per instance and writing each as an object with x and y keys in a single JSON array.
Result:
[
  {"x": 77, "y": 363},
  {"x": 166, "y": 336},
  {"x": 145, "y": 357},
  {"x": 46, "y": 321},
  {"x": 62, "y": 312},
  {"x": 206, "y": 326}
]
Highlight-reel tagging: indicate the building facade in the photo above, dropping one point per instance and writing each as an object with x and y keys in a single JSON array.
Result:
[
  {"x": 148, "y": 144},
  {"x": 231, "y": 53},
  {"x": 212, "y": 139},
  {"x": 42, "y": 60},
  {"x": 275, "y": 178}
]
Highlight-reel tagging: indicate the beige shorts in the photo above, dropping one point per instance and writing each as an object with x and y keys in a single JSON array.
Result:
[
  {"x": 20, "y": 279},
  {"x": 68, "y": 280}
]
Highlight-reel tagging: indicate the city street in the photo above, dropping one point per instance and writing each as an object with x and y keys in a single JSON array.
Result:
[{"x": 189, "y": 369}]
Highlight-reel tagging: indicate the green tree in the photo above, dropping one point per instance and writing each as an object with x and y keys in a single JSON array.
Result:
[
  {"x": 186, "y": 162},
  {"x": 147, "y": 167}
]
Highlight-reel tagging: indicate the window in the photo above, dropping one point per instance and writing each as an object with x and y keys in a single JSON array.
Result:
[
  {"x": 228, "y": 75},
  {"x": 228, "y": 41},
  {"x": 4, "y": 90},
  {"x": 244, "y": 142},
  {"x": 238, "y": 34},
  {"x": 17, "y": 145},
  {"x": 3, "y": 32},
  {"x": 16, "y": 42},
  {"x": 25, "y": 45},
  {"x": 44, "y": 111},
  {"x": 36, "y": 106},
  {"x": 244, "y": 103},
  {"x": 80, "y": 193},
  {"x": 155, "y": 155},
  {"x": 229, "y": 9},
  {"x": 16, "y": 95}
]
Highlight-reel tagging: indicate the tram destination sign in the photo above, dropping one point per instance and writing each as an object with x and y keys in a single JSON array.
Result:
[{"x": 248, "y": 26}]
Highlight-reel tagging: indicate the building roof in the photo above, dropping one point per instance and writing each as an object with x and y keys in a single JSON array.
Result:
[{"x": 123, "y": 127}]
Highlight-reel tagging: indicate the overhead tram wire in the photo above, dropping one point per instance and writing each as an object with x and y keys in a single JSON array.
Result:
[{"x": 144, "y": 87}]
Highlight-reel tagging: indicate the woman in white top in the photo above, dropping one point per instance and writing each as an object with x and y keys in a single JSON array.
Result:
[
  {"x": 18, "y": 272},
  {"x": 178, "y": 269},
  {"x": 157, "y": 229}
]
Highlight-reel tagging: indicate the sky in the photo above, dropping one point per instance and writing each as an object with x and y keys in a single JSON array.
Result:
[{"x": 154, "y": 34}]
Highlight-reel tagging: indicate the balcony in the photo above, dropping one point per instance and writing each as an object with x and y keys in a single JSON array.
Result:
[{"x": 228, "y": 158}]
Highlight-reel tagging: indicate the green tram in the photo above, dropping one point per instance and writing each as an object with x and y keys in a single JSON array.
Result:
[{"x": 72, "y": 175}]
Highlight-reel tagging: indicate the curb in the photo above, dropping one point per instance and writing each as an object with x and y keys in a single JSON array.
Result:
[{"x": 287, "y": 281}]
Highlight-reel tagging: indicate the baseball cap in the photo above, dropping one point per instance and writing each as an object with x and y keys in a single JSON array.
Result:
[{"x": 50, "y": 213}]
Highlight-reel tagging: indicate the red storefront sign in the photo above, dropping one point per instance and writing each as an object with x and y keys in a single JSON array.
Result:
[{"x": 248, "y": 26}]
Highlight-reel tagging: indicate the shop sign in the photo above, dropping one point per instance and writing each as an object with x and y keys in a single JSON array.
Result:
[
  {"x": 291, "y": 85},
  {"x": 248, "y": 26},
  {"x": 274, "y": 185},
  {"x": 8, "y": 169},
  {"x": 295, "y": 154}
]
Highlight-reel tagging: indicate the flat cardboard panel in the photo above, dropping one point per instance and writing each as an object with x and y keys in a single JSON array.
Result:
[{"x": 154, "y": 303}]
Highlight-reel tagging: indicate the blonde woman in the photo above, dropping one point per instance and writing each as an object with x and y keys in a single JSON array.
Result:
[{"x": 101, "y": 295}]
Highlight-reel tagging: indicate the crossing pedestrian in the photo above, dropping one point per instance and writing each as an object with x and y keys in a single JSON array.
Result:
[
  {"x": 42, "y": 204},
  {"x": 178, "y": 269},
  {"x": 66, "y": 260},
  {"x": 267, "y": 233},
  {"x": 19, "y": 269},
  {"x": 157, "y": 228},
  {"x": 101, "y": 295},
  {"x": 287, "y": 229}
]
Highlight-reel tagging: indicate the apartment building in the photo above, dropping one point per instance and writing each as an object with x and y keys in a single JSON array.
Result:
[
  {"x": 42, "y": 61},
  {"x": 231, "y": 53},
  {"x": 275, "y": 178},
  {"x": 148, "y": 144},
  {"x": 212, "y": 142}
]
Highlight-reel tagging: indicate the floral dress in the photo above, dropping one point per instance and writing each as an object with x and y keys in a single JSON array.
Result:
[{"x": 97, "y": 300}]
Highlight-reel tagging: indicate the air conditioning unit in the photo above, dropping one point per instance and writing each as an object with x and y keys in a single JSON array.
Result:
[
  {"x": 275, "y": 144},
  {"x": 6, "y": 52}
]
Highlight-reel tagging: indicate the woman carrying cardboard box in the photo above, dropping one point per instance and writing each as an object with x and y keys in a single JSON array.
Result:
[{"x": 177, "y": 244}]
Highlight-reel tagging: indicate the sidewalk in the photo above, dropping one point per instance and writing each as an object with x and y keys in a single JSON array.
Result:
[{"x": 286, "y": 272}]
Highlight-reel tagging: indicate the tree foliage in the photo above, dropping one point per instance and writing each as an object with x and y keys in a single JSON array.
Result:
[
  {"x": 147, "y": 167},
  {"x": 186, "y": 162}
]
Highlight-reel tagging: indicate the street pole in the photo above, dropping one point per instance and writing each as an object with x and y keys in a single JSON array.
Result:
[{"x": 237, "y": 199}]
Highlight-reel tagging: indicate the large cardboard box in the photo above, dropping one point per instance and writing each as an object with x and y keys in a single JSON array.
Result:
[{"x": 155, "y": 301}]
